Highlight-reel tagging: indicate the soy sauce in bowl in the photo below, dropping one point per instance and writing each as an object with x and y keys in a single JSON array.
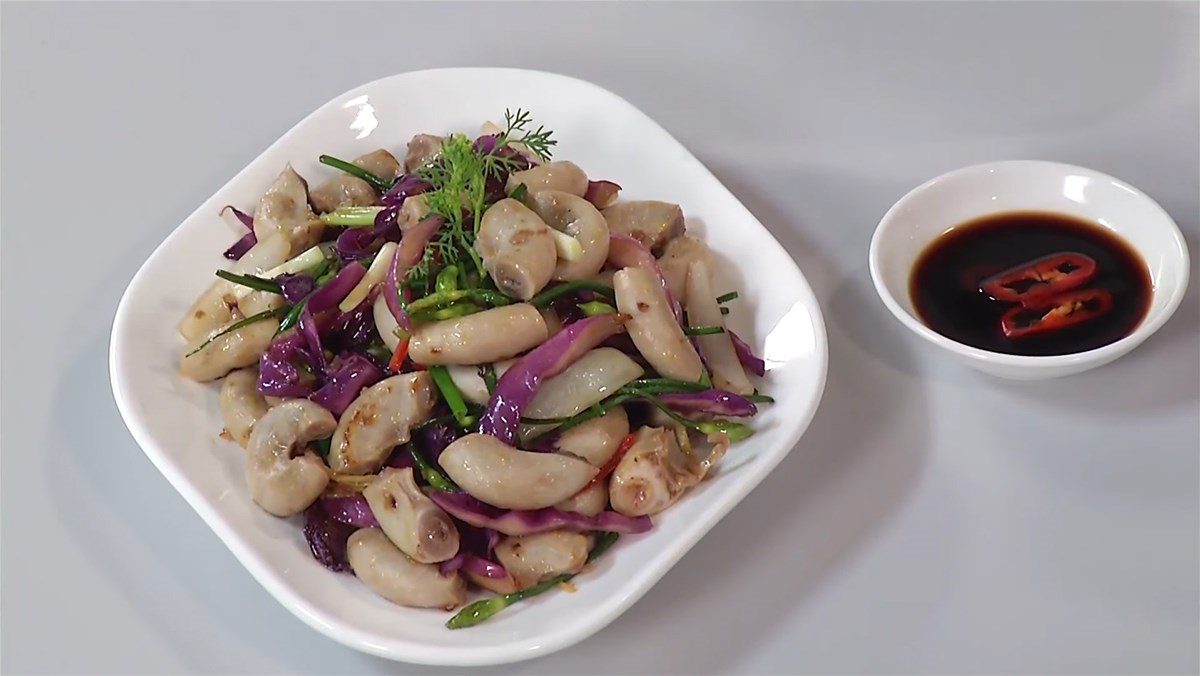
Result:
[{"x": 1031, "y": 283}]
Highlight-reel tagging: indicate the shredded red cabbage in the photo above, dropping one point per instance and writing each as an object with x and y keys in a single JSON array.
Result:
[
  {"x": 296, "y": 287},
  {"x": 337, "y": 288},
  {"x": 358, "y": 243},
  {"x": 247, "y": 241},
  {"x": 349, "y": 509},
  {"x": 626, "y": 252},
  {"x": 327, "y": 537},
  {"x": 241, "y": 246},
  {"x": 246, "y": 219},
  {"x": 279, "y": 369},
  {"x": 473, "y": 564},
  {"x": 353, "y": 330},
  {"x": 526, "y": 522},
  {"x": 601, "y": 193},
  {"x": 408, "y": 253},
  {"x": 406, "y": 186},
  {"x": 431, "y": 440},
  {"x": 348, "y": 376},
  {"x": 485, "y": 145},
  {"x": 307, "y": 328},
  {"x": 520, "y": 383},
  {"x": 475, "y": 552},
  {"x": 746, "y": 355},
  {"x": 717, "y": 402}
]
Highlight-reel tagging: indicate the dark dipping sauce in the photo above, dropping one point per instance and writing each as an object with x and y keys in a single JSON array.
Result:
[{"x": 945, "y": 284}]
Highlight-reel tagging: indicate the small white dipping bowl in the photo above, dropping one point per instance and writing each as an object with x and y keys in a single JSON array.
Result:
[{"x": 965, "y": 194}]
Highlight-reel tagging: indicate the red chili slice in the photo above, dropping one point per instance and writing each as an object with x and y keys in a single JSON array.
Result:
[
  {"x": 1055, "y": 313},
  {"x": 1040, "y": 278}
]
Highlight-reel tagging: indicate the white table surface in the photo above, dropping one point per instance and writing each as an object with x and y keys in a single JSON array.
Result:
[{"x": 932, "y": 519}]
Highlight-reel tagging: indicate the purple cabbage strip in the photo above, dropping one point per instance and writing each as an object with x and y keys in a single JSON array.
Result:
[
  {"x": 353, "y": 330},
  {"x": 349, "y": 509},
  {"x": 296, "y": 287},
  {"x": 404, "y": 187},
  {"x": 483, "y": 567},
  {"x": 626, "y": 252},
  {"x": 475, "y": 552},
  {"x": 341, "y": 388},
  {"x": 431, "y": 440},
  {"x": 327, "y": 537},
  {"x": 246, "y": 219},
  {"x": 717, "y": 402},
  {"x": 520, "y": 383},
  {"x": 337, "y": 288},
  {"x": 485, "y": 145},
  {"x": 452, "y": 564},
  {"x": 468, "y": 562},
  {"x": 480, "y": 541},
  {"x": 241, "y": 246},
  {"x": 601, "y": 192},
  {"x": 307, "y": 328},
  {"x": 400, "y": 458},
  {"x": 247, "y": 241},
  {"x": 279, "y": 373},
  {"x": 526, "y": 522},
  {"x": 408, "y": 253},
  {"x": 746, "y": 355},
  {"x": 357, "y": 243}
]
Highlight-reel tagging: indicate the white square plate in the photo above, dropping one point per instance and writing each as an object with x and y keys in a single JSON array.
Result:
[{"x": 176, "y": 421}]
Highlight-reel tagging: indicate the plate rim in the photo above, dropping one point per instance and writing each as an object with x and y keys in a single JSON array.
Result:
[{"x": 521, "y": 649}]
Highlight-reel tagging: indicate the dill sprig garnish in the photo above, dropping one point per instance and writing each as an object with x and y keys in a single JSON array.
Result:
[
  {"x": 459, "y": 193},
  {"x": 537, "y": 142}
]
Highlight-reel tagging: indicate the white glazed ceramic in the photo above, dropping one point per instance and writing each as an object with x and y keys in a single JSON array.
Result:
[
  {"x": 1026, "y": 185},
  {"x": 176, "y": 422}
]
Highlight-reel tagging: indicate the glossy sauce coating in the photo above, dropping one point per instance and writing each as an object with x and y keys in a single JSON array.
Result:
[{"x": 945, "y": 283}]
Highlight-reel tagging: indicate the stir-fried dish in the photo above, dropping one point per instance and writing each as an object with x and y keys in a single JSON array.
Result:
[{"x": 472, "y": 367}]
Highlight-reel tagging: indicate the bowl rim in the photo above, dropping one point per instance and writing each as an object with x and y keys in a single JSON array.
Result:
[{"x": 1149, "y": 324}]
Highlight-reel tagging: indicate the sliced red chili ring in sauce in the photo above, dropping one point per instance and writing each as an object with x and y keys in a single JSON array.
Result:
[
  {"x": 1040, "y": 278},
  {"x": 1055, "y": 313}
]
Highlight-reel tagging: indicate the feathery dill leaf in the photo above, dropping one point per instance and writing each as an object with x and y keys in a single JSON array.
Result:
[{"x": 459, "y": 180}]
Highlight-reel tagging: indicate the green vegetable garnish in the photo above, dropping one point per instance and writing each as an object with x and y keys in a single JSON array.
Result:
[
  {"x": 431, "y": 474},
  {"x": 595, "y": 307},
  {"x": 519, "y": 191},
  {"x": 321, "y": 446},
  {"x": 655, "y": 385},
  {"x": 352, "y": 217},
  {"x": 446, "y": 298},
  {"x": 450, "y": 393},
  {"x": 725, "y": 298},
  {"x": 646, "y": 389},
  {"x": 488, "y": 373},
  {"x": 736, "y": 431},
  {"x": 458, "y": 193},
  {"x": 251, "y": 281},
  {"x": 553, "y": 293},
  {"x": 447, "y": 279},
  {"x": 377, "y": 183},
  {"x": 292, "y": 317},
  {"x": 484, "y": 609},
  {"x": 592, "y": 412},
  {"x": 449, "y": 312},
  {"x": 266, "y": 314},
  {"x": 702, "y": 330}
]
